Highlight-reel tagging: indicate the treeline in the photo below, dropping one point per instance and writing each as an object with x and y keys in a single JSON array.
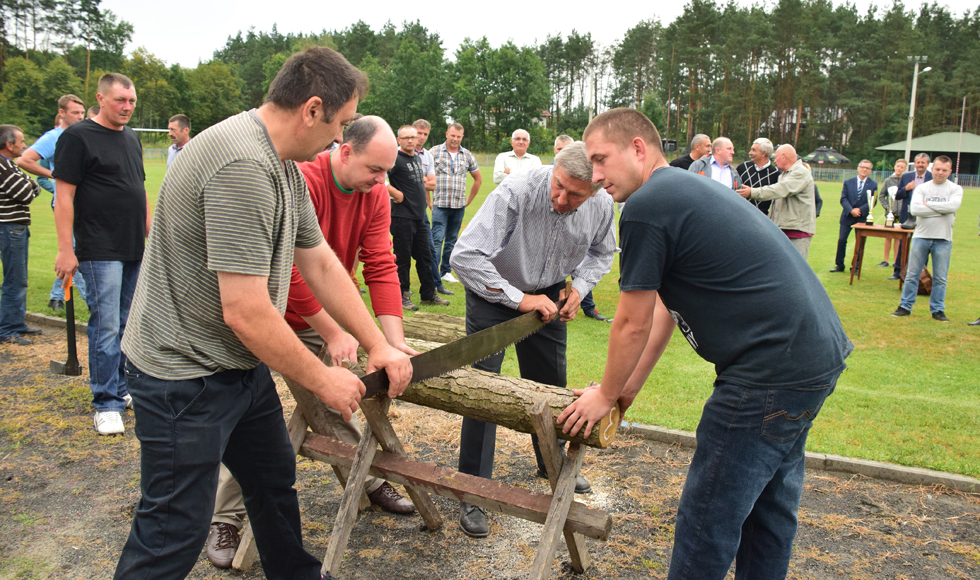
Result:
[{"x": 802, "y": 72}]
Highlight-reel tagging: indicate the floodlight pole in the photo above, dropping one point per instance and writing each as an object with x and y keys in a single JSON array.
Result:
[{"x": 915, "y": 82}]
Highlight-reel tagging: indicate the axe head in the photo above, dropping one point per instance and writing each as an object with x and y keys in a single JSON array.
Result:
[{"x": 60, "y": 368}]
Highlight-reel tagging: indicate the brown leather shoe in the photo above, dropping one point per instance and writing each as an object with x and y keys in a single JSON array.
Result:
[
  {"x": 390, "y": 500},
  {"x": 223, "y": 540}
]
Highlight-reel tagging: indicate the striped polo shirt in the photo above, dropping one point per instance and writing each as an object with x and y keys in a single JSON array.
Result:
[
  {"x": 17, "y": 191},
  {"x": 227, "y": 204}
]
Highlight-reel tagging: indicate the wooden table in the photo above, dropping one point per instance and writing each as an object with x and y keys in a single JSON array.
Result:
[{"x": 861, "y": 234}]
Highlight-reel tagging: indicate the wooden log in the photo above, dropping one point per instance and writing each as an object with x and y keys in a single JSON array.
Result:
[
  {"x": 499, "y": 399},
  {"x": 486, "y": 493},
  {"x": 432, "y": 327}
]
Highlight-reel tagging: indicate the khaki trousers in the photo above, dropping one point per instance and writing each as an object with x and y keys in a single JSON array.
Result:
[
  {"x": 229, "y": 507},
  {"x": 802, "y": 245}
]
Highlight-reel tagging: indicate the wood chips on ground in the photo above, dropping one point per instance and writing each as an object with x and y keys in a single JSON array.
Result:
[{"x": 67, "y": 498}]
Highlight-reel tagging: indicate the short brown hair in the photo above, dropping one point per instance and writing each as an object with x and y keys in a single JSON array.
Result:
[
  {"x": 107, "y": 80},
  {"x": 93, "y": 111},
  {"x": 456, "y": 126},
  {"x": 183, "y": 121},
  {"x": 422, "y": 124},
  {"x": 317, "y": 72},
  {"x": 622, "y": 125},
  {"x": 942, "y": 159},
  {"x": 65, "y": 99}
]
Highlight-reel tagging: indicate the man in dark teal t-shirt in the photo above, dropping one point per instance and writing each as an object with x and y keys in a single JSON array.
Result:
[{"x": 696, "y": 256}]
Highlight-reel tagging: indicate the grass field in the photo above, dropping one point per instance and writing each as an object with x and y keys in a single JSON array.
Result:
[{"x": 911, "y": 394}]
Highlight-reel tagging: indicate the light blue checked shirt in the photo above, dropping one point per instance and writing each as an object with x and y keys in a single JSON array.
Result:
[{"x": 518, "y": 243}]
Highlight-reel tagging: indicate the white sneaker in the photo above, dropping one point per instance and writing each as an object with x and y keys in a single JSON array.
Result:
[
  {"x": 129, "y": 401},
  {"x": 109, "y": 423},
  {"x": 448, "y": 277}
]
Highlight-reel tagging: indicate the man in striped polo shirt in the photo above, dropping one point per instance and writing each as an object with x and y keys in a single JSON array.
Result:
[
  {"x": 17, "y": 191},
  {"x": 207, "y": 318}
]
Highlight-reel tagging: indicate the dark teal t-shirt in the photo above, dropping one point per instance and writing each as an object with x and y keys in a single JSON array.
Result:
[{"x": 743, "y": 296}]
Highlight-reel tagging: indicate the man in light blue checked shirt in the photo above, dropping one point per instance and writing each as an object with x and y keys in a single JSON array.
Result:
[
  {"x": 530, "y": 234},
  {"x": 449, "y": 200}
]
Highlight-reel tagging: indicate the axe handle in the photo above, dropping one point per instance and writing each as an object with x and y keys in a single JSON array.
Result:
[{"x": 71, "y": 365}]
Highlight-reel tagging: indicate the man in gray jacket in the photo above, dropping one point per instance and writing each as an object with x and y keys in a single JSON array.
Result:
[
  {"x": 718, "y": 165},
  {"x": 793, "y": 209}
]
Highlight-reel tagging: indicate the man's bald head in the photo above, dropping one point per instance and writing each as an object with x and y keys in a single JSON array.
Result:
[
  {"x": 785, "y": 157},
  {"x": 722, "y": 150},
  {"x": 368, "y": 152},
  {"x": 364, "y": 130}
]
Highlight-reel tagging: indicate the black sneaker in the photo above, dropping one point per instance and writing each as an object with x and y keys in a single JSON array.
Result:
[
  {"x": 901, "y": 312},
  {"x": 883, "y": 265},
  {"x": 56, "y": 305},
  {"x": 940, "y": 316},
  {"x": 436, "y": 301},
  {"x": 407, "y": 301},
  {"x": 594, "y": 314},
  {"x": 30, "y": 332},
  {"x": 894, "y": 277},
  {"x": 442, "y": 290},
  {"x": 18, "y": 340}
]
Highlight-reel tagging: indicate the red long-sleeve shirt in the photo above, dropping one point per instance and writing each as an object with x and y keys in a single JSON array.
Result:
[{"x": 350, "y": 222}]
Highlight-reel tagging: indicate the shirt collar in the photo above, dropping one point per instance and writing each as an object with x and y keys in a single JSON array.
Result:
[{"x": 757, "y": 168}]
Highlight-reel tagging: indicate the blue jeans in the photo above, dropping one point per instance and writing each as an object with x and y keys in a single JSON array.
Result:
[
  {"x": 918, "y": 257},
  {"x": 110, "y": 293},
  {"x": 435, "y": 257},
  {"x": 186, "y": 428},
  {"x": 742, "y": 493},
  {"x": 14, "y": 241},
  {"x": 445, "y": 230}
]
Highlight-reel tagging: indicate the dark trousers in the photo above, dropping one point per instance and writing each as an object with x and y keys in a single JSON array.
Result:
[
  {"x": 410, "y": 239},
  {"x": 588, "y": 303},
  {"x": 845, "y": 231},
  {"x": 541, "y": 358},
  {"x": 186, "y": 428}
]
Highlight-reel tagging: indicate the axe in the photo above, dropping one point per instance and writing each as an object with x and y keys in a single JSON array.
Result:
[{"x": 71, "y": 367}]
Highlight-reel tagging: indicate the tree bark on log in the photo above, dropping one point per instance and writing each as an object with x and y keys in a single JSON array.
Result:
[
  {"x": 432, "y": 327},
  {"x": 499, "y": 399}
]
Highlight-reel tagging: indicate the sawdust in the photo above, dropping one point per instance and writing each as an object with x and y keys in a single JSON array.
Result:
[{"x": 67, "y": 498}]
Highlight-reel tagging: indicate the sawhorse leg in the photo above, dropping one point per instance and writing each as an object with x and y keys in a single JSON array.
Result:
[
  {"x": 562, "y": 475},
  {"x": 379, "y": 430}
]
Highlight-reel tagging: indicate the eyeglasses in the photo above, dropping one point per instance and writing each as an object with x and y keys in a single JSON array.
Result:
[
  {"x": 520, "y": 139},
  {"x": 409, "y": 137}
]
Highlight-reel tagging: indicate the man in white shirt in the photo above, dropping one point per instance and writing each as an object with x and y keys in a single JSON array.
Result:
[
  {"x": 515, "y": 161},
  {"x": 934, "y": 204}
]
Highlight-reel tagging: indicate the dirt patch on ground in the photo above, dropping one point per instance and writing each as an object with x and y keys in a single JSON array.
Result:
[{"x": 67, "y": 499}]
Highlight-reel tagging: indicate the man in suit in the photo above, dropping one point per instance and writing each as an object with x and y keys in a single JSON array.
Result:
[
  {"x": 906, "y": 185},
  {"x": 854, "y": 199}
]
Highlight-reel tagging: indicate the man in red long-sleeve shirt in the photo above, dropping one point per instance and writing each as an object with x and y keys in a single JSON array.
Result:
[{"x": 347, "y": 187}]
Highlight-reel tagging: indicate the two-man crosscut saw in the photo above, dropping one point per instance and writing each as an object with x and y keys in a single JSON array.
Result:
[{"x": 467, "y": 350}]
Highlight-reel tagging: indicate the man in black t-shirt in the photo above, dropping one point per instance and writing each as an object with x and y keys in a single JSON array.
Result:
[
  {"x": 409, "y": 236},
  {"x": 745, "y": 300},
  {"x": 101, "y": 197}
]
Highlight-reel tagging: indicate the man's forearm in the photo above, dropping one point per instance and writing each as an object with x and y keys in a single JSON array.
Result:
[
  {"x": 661, "y": 331},
  {"x": 392, "y": 328},
  {"x": 628, "y": 339},
  {"x": 64, "y": 215},
  {"x": 33, "y": 167},
  {"x": 475, "y": 189}
]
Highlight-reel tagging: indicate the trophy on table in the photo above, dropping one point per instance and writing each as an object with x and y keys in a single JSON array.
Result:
[
  {"x": 871, "y": 205},
  {"x": 890, "y": 218}
]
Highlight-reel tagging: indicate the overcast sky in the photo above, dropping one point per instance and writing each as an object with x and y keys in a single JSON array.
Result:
[{"x": 187, "y": 32}]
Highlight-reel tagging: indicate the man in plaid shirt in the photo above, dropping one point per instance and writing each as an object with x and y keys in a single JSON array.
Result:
[{"x": 449, "y": 200}]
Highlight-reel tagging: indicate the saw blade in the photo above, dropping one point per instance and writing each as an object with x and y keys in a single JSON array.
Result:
[{"x": 462, "y": 352}]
